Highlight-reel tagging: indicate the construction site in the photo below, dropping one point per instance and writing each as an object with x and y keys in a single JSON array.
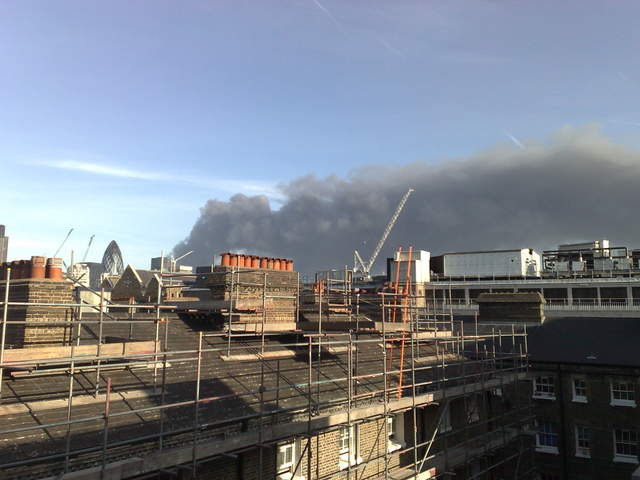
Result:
[{"x": 276, "y": 379}]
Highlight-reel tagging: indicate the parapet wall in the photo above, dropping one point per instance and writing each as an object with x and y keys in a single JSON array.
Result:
[
  {"x": 39, "y": 331},
  {"x": 512, "y": 307}
]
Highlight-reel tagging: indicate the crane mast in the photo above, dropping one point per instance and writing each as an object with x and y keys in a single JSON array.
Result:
[{"x": 365, "y": 268}]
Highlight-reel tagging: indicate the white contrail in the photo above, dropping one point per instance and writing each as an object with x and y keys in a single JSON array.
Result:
[
  {"x": 329, "y": 14},
  {"x": 390, "y": 48},
  {"x": 514, "y": 140},
  {"x": 332, "y": 17}
]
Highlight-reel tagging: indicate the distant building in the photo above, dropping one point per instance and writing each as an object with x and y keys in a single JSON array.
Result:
[
  {"x": 4, "y": 245},
  {"x": 169, "y": 265},
  {"x": 112, "y": 259},
  {"x": 132, "y": 286},
  {"x": 183, "y": 269},
  {"x": 80, "y": 273},
  {"x": 88, "y": 274},
  {"x": 160, "y": 264}
]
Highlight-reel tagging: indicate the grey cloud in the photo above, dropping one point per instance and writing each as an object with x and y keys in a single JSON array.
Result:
[{"x": 577, "y": 186}]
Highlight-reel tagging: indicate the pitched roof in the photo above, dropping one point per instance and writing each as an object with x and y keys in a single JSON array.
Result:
[
  {"x": 590, "y": 340},
  {"x": 145, "y": 276},
  {"x": 109, "y": 281}
]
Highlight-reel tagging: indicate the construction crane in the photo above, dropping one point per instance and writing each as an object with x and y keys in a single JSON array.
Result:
[
  {"x": 174, "y": 261},
  {"x": 86, "y": 252},
  {"x": 63, "y": 242},
  {"x": 364, "y": 269}
]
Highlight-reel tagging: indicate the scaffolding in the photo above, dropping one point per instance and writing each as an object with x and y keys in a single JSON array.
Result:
[{"x": 200, "y": 393}]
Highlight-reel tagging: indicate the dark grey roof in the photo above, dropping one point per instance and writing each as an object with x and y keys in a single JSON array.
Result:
[
  {"x": 591, "y": 341},
  {"x": 146, "y": 276}
]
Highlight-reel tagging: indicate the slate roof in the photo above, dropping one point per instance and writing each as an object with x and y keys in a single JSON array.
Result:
[
  {"x": 590, "y": 341},
  {"x": 145, "y": 276}
]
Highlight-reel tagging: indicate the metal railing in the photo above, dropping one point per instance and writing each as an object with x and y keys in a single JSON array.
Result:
[
  {"x": 599, "y": 277},
  {"x": 582, "y": 305}
]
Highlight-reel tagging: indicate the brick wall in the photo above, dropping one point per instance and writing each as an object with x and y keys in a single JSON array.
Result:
[
  {"x": 511, "y": 307},
  {"x": 596, "y": 413},
  {"x": 247, "y": 291},
  {"x": 40, "y": 332},
  {"x": 324, "y": 458}
]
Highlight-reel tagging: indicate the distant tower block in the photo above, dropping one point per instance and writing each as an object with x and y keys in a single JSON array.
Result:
[
  {"x": 4, "y": 245},
  {"x": 112, "y": 259}
]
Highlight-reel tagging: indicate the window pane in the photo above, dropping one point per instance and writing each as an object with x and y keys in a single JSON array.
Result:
[
  {"x": 285, "y": 456},
  {"x": 544, "y": 386},
  {"x": 344, "y": 438},
  {"x": 583, "y": 440},
  {"x": 626, "y": 442},
  {"x": 580, "y": 387},
  {"x": 547, "y": 435},
  {"x": 623, "y": 390}
]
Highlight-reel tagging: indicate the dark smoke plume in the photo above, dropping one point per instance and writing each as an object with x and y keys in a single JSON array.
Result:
[{"x": 578, "y": 186}]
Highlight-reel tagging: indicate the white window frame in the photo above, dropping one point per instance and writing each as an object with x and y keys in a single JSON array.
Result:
[
  {"x": 621, "y": 402},
  {"x": 581, "y": 450},
  {"x": 623, "y": 457},
  {"x": 395, "y": 432},
  {"x": 348, "y": 456},
  {"x": 540, "y": 447},
  {"x": 284, "y": 471},
  {"x": 544, "y": 381},
  {"x": 577, "y": 397}
]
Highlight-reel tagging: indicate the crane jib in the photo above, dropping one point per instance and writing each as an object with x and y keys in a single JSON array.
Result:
[{"x": 360, "y": 266}]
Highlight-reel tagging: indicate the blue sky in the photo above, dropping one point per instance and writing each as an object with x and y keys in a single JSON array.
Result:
[{"x": 121, "y": 118}]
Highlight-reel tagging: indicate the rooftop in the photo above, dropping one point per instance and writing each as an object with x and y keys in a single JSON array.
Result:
[
  {"x": 297, "y": 378},
  {"x": 586, "y": 340}
]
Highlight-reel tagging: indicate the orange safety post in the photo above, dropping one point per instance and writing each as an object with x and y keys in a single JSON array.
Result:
[{"x": 405, "y": 300}]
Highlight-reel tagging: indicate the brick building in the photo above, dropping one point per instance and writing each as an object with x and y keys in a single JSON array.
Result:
[{"x": 584, "y": 383}]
